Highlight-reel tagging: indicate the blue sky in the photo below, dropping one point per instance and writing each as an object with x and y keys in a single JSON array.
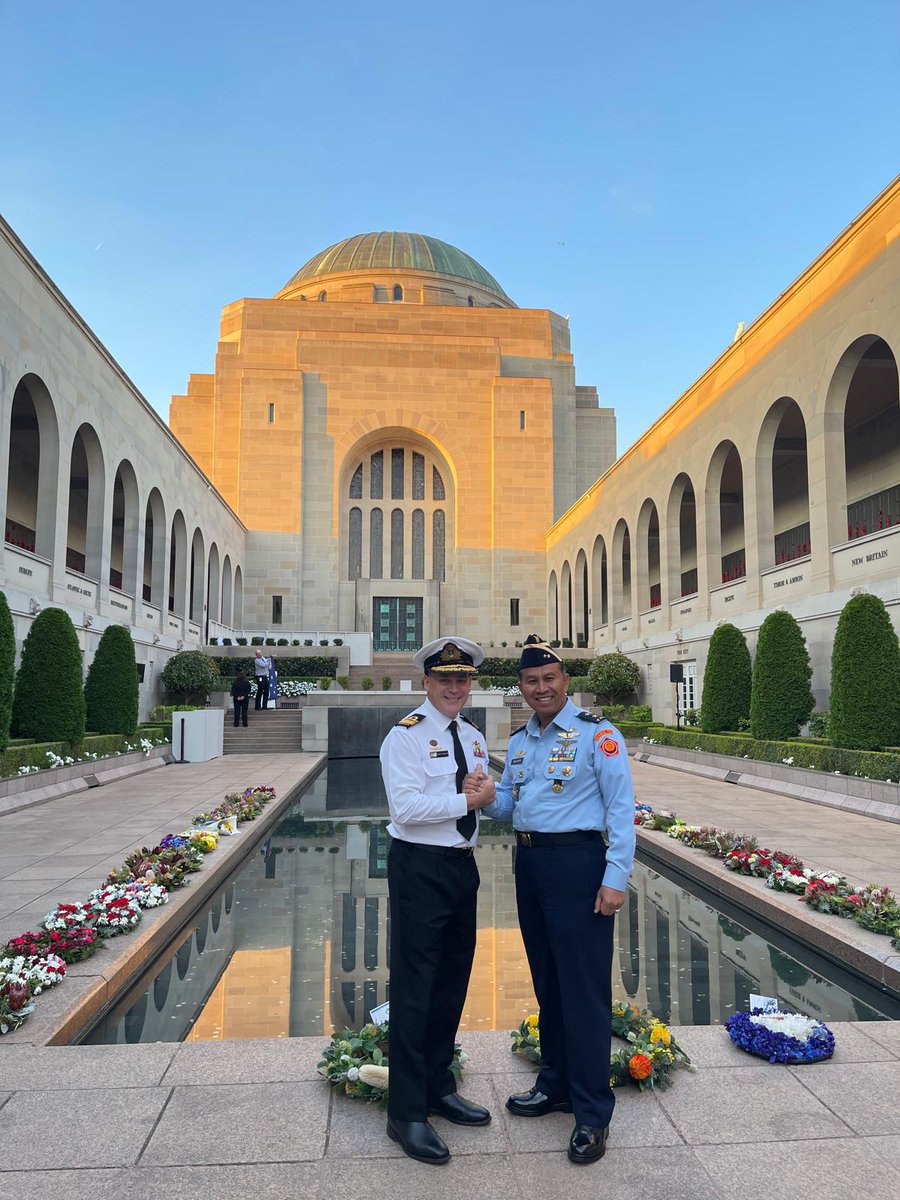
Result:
[{"x": 657, "y": 172}]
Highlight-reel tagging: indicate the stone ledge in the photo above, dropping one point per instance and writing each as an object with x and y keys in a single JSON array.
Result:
[{"x": 23, "y": 791}]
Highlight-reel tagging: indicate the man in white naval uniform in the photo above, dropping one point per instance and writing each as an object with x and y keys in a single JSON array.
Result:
[{"x": 434, "y": 763}]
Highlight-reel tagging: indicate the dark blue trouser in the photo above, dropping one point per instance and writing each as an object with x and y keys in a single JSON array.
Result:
[
  {"x": 433, "y": 903},
  {"x": 569, "y": 950}
]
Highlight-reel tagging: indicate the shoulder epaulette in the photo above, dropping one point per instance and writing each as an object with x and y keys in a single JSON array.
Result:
[
  {"x": 584, "y": 715},
  {"x": 411, "y": 720},
  {"x": 519, "y": 730},
  {"x": 472, "y": 723}
]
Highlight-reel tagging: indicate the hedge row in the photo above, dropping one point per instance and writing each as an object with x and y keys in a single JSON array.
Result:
[
  {"x": 314, "y": 667},
  {"x": 869, "y": 764},
  {"x": 34, "y": 754},
  {"x": 510, "y": 666}
]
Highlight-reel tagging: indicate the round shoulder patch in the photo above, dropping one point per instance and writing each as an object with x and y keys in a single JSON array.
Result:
[{"x": 609, "y": 746}]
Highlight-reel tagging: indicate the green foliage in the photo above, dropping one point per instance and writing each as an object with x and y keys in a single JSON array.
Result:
[
  {"x": 241, "y": 641},
  {"x": 282, "y": 642},
  {"x": 48, "y": 704},
  {"x": 614, "y": 713},
  {"x": 820, "y": 725},
  {"x": 803, "y": 752},
  {"x": 7, "y": 669},
  {"x": 865, "y": 677},
  {"x": 111, "y": 688},
  {"x": 367, "y": 683},
  {"x": 614, "y": 677},
  {"x": 692, "y": 716},
  {"x": 510, "y": 666},
  {"x": 726, "y": 680},
  {"x": 311, "y": 666},
  {"x": 344, "y": 681},
  {"x": 640, "y": 712},
  {"x": 579, "y": 683},
  {"x": 256, "y": 641},
  {"x": 324, "y": 683},
  {"x": 781, "y": 700},
  {"x": 386, "y": 682},
  {"x": 162, "y": 713},
  {"x": 34, "y": 754},
  {"x": 270, "y": 641},
  {"x": 191, "y": 674}
]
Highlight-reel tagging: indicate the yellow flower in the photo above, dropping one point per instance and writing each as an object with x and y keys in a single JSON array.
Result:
[
  {"x": 659, "y": 1033},
  {"x": 532, "y": 1023}
]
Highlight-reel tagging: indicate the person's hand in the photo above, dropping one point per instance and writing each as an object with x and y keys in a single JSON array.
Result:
[
  {"x": 478, "y": 788},
  {"x": 608, "y": 901}
]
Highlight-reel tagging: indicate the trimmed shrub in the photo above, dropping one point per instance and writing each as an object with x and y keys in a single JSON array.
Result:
[
  {"x": 726, "y": 681},
  {"x": 344, "y": 681},
  {"x": 48, "y": 704},
  {"x": 614, "y": 677},
  {"x": 270, "y": 641},
  {"x": 579, "y": 683},
  {"x": 367, "y": 683},
  {"x": 241, "y": 641},
  {"x": 7, "y": 669},
  {"x": 34, "y": 754},
  {"x": 386, "y": 683},
  {"x": 256, "y": 641},
  {"x": 310, "y": 667},
  {"x": 510, "y": 666},
  {"x": 640, "y": 713},
  {"x": 282, "y": 642},
  {"x": 865, "y": 677},
  {"x": 111, "y": 689},
  {"x": 191, "y": 674},
  {"x": 781, "y": 700},
  {"x": 324, "y": 683},
  {"x": 820, "y": 725}
]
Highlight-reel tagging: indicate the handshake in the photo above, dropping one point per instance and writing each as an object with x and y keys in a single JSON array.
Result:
[{"x": 478, "y": 788}]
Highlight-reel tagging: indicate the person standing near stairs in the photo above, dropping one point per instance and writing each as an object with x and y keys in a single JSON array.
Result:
[
  {"x": 240, "y": 694},
  {"x": 261, "y": 675}
]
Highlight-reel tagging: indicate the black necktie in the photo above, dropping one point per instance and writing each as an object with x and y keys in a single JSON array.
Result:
[{"x": 467, "y": 824}]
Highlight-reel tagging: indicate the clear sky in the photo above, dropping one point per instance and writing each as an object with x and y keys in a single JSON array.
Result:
[{"x": 656, "y": 171}]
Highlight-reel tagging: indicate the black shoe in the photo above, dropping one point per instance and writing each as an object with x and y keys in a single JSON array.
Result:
[
  {"x": 419, "y": 1141},
  {"x": 587, "y": 1144},
  {"x": 460, "y": 1111},
  {"x": 536, "y": 1104}
]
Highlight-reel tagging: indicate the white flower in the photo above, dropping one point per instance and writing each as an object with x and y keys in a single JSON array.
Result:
[
  {"x": 792, "y": 1024},
  {"x": 376, "y": 1077},
  {"x": 353, "y": 1074},
  {"x": 788, "y": 762}
]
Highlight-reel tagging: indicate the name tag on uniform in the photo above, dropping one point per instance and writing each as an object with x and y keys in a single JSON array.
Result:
[
  {"x": 439, "y": 754},
  {"x": 518, "y": 759}
]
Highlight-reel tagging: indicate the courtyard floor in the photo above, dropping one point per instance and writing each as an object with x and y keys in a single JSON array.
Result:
[{"x": 231, "y": 1119}]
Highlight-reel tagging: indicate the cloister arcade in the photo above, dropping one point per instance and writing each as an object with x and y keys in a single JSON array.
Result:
[
  {"x": 811, "y": 474},
  {"x": 105, "y": 528}
]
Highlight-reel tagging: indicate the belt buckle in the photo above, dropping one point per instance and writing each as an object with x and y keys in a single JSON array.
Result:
[{"x": 525, "y": 838}]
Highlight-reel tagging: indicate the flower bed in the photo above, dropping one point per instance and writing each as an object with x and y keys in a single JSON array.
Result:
[
  {"x": 16, "y": 761},
  {"x": 71, "y": 932},
  {"x": 649, "y": 1059},
  {"x": 872, "y": 906}
]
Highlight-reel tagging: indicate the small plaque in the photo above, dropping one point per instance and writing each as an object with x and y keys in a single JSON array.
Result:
[
  {"x": 768, "y": 1004},
  {"x": 379, "y": 1014}
]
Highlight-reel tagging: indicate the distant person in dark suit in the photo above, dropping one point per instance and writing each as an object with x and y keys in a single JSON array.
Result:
[{"x": 240, "y": 694}]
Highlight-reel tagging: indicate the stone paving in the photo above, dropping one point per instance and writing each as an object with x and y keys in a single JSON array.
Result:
[{"x": 231, "y": 1119}]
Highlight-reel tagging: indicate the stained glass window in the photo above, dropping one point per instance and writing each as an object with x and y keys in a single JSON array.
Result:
[
  {"x": 437, "y": 485},
  {"x": 437, "y": 544},
  {"x": 376, "y": 479},
  {"x": 397, "y": 457},
  {"x": 418, "y": 476},
  {"x": 397, "y": 544},
  {"x": 354, "y": 567},
  {"x": 356, "y": 484},
  {"x": 418, "y": 544},
  {"x": 376, "y": 539}
]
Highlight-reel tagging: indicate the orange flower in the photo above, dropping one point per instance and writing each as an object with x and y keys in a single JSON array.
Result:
[{"x": 639, "y": 1066}]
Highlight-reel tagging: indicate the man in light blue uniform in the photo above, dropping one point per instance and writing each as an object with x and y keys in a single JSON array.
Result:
[{"x": 566, "y": 783}]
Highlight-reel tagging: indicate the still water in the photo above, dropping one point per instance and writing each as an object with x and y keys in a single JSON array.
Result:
[{"x": 297, "y": 941}]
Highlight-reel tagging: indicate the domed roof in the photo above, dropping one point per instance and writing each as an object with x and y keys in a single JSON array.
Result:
[{"x": 400, "y": 251}]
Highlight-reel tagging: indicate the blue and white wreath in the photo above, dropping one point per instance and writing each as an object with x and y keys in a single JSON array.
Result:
[{"x": 781, "y": 1037}]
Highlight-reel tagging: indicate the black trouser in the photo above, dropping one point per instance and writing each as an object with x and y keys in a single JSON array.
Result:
[
  {"x": 262, "y": 691},
  {"x": 433, "y": 897},
  {"x": 241, "y": 704},
  {"x": 569, "y": 950}
]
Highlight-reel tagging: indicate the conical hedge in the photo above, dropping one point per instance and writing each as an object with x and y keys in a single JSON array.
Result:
[
  {"x": 7, "y": 669},
  {"x": 865, "y": 677},
  {"x": 781, "y": 700},
  {"x": 48, "y": 704},
  {"x": 726, "y": 681},
  {"x": 111, "y": 689}
]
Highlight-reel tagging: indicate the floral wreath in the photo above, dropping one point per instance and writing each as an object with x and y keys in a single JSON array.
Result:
[
  {"x": 648, "y": 1060},
  {"x": 357, "y": 1063},
  {"x": 781, "y": 1037}
]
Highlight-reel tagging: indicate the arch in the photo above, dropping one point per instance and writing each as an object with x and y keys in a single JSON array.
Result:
[
  {"x": 470, "y": 301},
  {"x": 123, "y": 541},
  {"x": 397, "y": 293},
  {"x": 197, "y": 578},
  {"x": 871, "y": 428},
  {"x": 681, "y": 538},
  {"x": 553, "y": 606},
  {"x": 600, "y": 581},
  {"x": 565, "y": 580},
  {"x": 621, "y": 552},
  {"x": 782, "y": 484},
  {"x": 724, "y": 504},
  {"x": 227, "y": 585},
  {"x": 649, "y": 582},
  {"x": 213, "y": 584},
  {"x": 153, "y": 587},
  {"x": 582, "y": 605},
  {"x": 177, "y": 577},
  {"x": 238, "y": 598},
  {"x": 322, "y": 296},
  {"x": 85, "y": 514},
  {"x": 33, "y": 469}
]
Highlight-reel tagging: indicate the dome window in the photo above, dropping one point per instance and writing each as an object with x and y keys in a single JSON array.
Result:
[
  {"x": 398, "y": 292},
  {"x": 471, "y": 302},
  {"x": 323, "y": 296}
]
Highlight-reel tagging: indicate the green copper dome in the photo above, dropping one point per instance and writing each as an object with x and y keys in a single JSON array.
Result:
[{"x": 400, "y": 251}]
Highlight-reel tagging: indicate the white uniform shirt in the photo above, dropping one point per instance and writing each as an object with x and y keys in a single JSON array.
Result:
[{"x": 419, "y": 771}]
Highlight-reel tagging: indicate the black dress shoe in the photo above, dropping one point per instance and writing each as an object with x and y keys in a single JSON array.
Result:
[
  {"x": 419, "y": 1141},
  {"x": 587, "y": 1144},
  {"x": 460, "y": 1111},
  {"x": 536, "y": 1104}
]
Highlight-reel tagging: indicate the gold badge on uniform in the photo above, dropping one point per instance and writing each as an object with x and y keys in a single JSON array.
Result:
[{"x": 557, "y": 786}]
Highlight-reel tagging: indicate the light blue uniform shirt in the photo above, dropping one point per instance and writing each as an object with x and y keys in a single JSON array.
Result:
[{"x": 574, "y": 775}]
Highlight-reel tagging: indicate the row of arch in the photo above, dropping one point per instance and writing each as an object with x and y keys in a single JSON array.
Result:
[
  {"x": 753, "y": 508},
  {"x": 142, "y": 548}
]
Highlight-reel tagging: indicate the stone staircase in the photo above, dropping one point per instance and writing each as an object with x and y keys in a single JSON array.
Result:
[{"x": 269, "y": 731}]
